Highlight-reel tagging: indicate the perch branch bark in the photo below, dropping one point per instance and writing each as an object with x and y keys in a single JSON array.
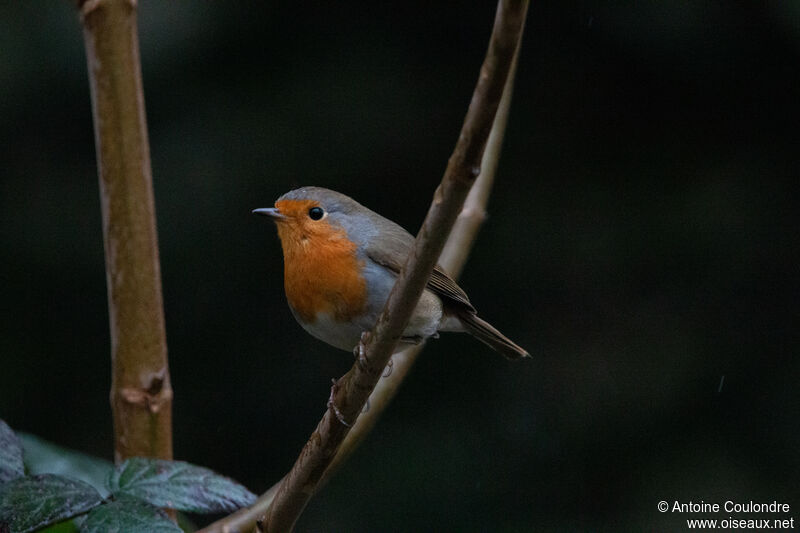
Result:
[
  {"x": 453, "y": 258},
  {"x": 351, "y": 391},
  {"x": 141, "y": 394}
]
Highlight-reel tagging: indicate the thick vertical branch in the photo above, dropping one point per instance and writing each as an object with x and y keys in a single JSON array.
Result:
[
  {"x": 141, "y": 394},
  {"x": 353, "y": 389}
]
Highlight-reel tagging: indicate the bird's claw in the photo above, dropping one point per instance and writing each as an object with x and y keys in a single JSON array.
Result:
[
  {"x": 332, "y": 404},
  {"x": 360, "y": 351}
]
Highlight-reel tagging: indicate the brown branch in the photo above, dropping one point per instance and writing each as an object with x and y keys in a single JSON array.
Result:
[
  {"x": 452, "y": 259},
  {"x": 472, "y": 216},
  {"x": 352, "y": 390},
  {"x": 141, "y": 394}
]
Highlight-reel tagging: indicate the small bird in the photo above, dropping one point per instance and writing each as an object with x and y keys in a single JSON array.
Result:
[{"x": 341, "y": 260}]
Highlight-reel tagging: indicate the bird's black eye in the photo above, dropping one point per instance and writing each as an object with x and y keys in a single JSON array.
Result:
[{"x": 315, "y": 213}]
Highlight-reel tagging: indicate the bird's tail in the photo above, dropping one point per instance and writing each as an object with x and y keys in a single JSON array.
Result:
[{"x": 487, "y": 334}]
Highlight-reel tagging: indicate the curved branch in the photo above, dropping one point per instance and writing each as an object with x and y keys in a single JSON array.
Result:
[
  {"x": 351, "y": 392},
  {"x": 453, "y": 258}
]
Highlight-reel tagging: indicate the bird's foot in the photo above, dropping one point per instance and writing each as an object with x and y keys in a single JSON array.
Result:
[
  {"x": 412, "y": 339},
  {"x": 388, "y": 370},
  {"x": 332, "y": 404},
  {"x": 360, "y": 351}
]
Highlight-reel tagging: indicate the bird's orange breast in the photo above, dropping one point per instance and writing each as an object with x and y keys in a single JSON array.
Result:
[{"x": 322, "y": 273}]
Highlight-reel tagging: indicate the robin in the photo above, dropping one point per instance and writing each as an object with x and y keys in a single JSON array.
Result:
[{"x": 341, "y": 260}]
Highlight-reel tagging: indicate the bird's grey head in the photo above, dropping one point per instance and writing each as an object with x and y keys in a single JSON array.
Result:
[
  {"x": 341, "y": 210},
  {"x": 330, "y": 201}
]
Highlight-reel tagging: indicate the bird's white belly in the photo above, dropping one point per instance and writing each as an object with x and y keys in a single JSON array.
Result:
[
  {"x": 424, "y": 323},
  {"x": 342, "y": 335}
]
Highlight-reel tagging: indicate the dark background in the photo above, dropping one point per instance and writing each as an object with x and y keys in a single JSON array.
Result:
[{"x": 642, "y": 244}]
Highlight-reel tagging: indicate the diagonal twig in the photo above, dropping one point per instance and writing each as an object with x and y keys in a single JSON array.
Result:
[
  {"x": 351, "y": 391},
  {"x": 452, "y": 259}
]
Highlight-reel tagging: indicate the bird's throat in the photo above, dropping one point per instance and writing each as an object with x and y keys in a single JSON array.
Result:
[{"x": 322, "y": 274}]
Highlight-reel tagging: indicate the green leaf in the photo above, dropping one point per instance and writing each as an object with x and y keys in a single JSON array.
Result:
[
  {"x": 178, "y": 485},
  {"x": 11, "y": 466},
  {"x": 68, "y": 526},
  {"x": 186, "y": 525},
  {"x": 43, "y": 457},
  {"x": 128, "y": 515},
  {"x": 30, "y": 503}
]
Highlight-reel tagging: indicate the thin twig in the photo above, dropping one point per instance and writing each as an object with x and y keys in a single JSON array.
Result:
[
  {"x": 141, "y": 394},
  {"x": 452, "y": 259},
  {"x": 351, "y": 392},
  {"x": 472, "y": 216}
]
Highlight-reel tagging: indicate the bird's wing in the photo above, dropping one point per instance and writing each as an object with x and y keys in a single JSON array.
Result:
[
  {"x": 396, "y": 243},
  {"x": 443, "y": 285}
]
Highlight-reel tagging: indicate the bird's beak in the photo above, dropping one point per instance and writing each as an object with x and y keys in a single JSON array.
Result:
[{"x": 271, "y": 212}]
